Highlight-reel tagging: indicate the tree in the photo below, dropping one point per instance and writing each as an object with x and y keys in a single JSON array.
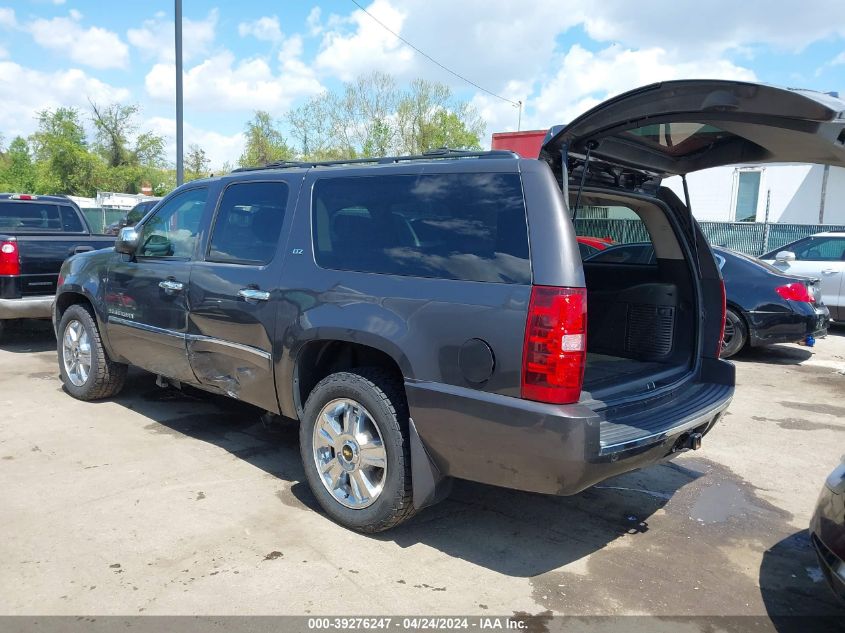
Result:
[
  {"x": 18, "y": 173},
  {"x": 429, "y": 117},
  {"x": 64, "y": 164},
  {"x": 372, "y": 116},
  {"x": 114, "y": 124},
  {"x": 264, "y": 142},
  {"x": 196, "y": 163}
]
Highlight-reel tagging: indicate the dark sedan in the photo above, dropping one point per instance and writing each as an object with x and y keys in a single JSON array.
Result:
[
  {"x": 827, "y": 530},
  {"x": 764, "y": 305}
]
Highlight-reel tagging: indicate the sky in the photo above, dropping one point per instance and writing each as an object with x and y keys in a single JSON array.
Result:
[{"x": 559, "y": 57}]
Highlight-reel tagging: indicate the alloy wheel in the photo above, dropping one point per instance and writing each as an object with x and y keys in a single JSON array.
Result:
[
  {"x": 76, "y": 356},
  {"x": 349, "y": 453}
]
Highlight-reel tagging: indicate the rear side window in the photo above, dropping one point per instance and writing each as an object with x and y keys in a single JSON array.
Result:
[
  {"x": 70, "y": 220},
  {"x": 38, "y": 217},
  {"x": 452, "y": 226},
  {"x": 249, "y": 222},
  {"x": 626, "y": 239}
]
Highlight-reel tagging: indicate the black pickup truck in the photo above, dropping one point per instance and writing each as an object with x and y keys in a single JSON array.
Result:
[{"x": 37, "y": 234}]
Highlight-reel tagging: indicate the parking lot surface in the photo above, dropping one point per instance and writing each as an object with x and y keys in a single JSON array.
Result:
[{"x": 164, "y": 502}]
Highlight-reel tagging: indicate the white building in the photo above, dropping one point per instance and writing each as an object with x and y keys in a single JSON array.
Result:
[{"x": 794, "y": 193}]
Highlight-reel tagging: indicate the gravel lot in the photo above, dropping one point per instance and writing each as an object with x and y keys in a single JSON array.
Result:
[{"x": 162, "y": 502}]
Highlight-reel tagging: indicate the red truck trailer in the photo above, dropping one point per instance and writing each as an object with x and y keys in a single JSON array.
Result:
[{"x": 527, "y": 144}]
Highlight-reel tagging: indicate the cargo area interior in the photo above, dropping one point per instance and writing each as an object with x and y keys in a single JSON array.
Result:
[{"x": 641, "y": 315}]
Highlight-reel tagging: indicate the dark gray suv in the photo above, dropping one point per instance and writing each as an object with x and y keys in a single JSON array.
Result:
[{"x": 426, "y": 317}]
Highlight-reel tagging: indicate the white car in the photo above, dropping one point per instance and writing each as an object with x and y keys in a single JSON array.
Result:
[{"x": 821, "y": 255}]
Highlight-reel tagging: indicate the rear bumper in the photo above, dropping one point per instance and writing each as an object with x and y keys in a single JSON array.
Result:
[
  {"x": 770, "y": 328},
  {"x": 40, "y": 307},
  {"x": 552, "y": 449}
]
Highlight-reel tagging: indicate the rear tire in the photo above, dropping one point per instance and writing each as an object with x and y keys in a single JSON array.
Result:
[
  {"x": 736, "y": 334},
  {"x": 361, "y": 418},
  {"x": 85, "y": 367}
]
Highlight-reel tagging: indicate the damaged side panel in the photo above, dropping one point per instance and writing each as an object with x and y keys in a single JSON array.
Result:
[{"x": 237, "y": 371}]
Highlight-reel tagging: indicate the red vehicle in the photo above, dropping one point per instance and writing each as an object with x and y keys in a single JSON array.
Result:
[
  {"x": 592, "y": 245},
  {"x": 527, "y": 144}
]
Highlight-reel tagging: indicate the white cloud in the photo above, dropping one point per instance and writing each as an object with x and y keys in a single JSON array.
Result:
[
  {"x": 838, "y": 60},
  {"x": 4, "y": 54},
  {"x": 94, "y": 46},
  {"x": 313, "y": 21},
  {"x": 46, "y": 90},
  {"x": 715, "y": 25},
  {"x": 58, "y": 2},
  {"x": 7, "y": 18},
  {"x": 585, "y": 78},
  {"x": 223, "y": 83},
  {"x": 492, "y": 42},
  {"x": 155, "y": 37},
  {"x": 369, "y": 46},
  {"x": 266, "y": 29},
  {"x": 220, "y": 148}
]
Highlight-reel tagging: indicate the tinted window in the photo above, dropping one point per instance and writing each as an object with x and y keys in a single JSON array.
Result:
[
  {"x": 453, "y": 226},
  {"x": 625, "y": 254},
  {"x": 825, "y": 249},
  {"x": 172, "y": 230},
  {"x": 586, "y": 250},
  {"x": 139, "y": 211},
  {"x": 678, "y": 138},
  {"x": 249, "y": 222},
  {"x": 38, "y": 217}
]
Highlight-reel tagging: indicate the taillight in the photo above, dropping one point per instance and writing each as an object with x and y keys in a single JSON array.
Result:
[
  {"x": 10, "y": 263},
  {"x": 724, "y": 318},
  {"x": 795, "y": 292},
  {"x": 555, "y": 347}
]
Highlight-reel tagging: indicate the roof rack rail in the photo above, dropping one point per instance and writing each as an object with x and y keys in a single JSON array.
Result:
[{"x": 443, "y": 152}]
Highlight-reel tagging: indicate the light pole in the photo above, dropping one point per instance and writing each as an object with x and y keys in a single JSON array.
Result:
[{"x": 180, "y": 166}]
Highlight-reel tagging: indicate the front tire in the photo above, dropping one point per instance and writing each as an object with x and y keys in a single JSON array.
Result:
[
  {"x": 85, "y": 367},
  {"x": 355, "y": 450},
  {"x": 736, "y": 334}
]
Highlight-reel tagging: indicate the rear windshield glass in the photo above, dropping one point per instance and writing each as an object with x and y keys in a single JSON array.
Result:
[
  {"x": 37, "y": 217},
  {"x": 680, "y": 138},
  {"x": 451, "y": 226}
]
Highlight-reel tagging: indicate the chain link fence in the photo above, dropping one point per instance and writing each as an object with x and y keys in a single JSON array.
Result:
[
  {"x": 752, "y": 238},
  {"x": 98, "y": 219}
]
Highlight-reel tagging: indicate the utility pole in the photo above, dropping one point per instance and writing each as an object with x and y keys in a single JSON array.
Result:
[
  {"x": 823, "y": 197},
  {"x": 180, "y": 165}
]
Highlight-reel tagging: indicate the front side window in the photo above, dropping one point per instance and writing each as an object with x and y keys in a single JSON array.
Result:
[
  {"x": 823, "y": 249},
  {"x": 249, "y": 222},
  {"x": 451, "y": 226},
  {"x": 173, "y": 230}
]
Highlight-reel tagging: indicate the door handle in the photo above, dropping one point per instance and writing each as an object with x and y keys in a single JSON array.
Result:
[
  {"x": 81, "y": 249},
  {"x": 171, "y": 286},
  {"x": 251, "y": 294},
  {"x": 829, "y": 271}
]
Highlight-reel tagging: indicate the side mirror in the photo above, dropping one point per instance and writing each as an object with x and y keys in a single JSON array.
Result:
[
  {"x": 785, "y": 256},
  {"x": 127, "y": 240}
]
